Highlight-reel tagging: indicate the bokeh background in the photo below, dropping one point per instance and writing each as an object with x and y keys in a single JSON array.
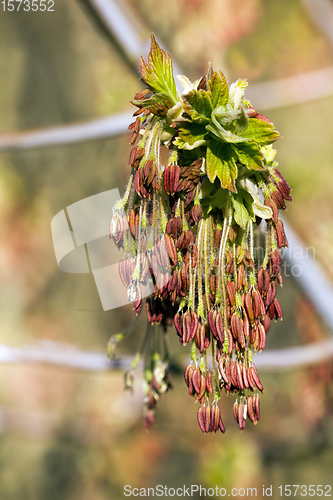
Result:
[{"x": 73, "y": 434}]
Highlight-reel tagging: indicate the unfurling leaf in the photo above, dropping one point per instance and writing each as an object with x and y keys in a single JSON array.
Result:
[
  {"x": 157, "y": 73},
  {"x": 218, "y": 89}
]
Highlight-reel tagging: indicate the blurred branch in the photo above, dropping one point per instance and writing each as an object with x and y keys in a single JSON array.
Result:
[
  {"x": 321, "y": 12},
  {"x": 297, "y": 89},
  {"x": 69, "y": 356},
  {"x": 102, "y": 128},
  {"x": 120, "y": 27},
  {"x": 310, "y": 276},
  {"x": 124, "y": 30}
]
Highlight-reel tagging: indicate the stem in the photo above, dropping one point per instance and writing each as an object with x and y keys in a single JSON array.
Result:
[
  {"x": 207, "y": 261},
  {"x": 199, "y": 262}
]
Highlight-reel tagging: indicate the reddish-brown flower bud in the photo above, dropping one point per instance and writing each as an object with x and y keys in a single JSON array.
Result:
[
  {"x": 178, "y": 325},
  {"x": 174, "y": 226},
  {"x": 249, "y": 306},
  {"x": 202, "y": 338},
  {"x": 225, "y": 373},
  {"x": 209, "y": 385},
  {"x": 256, "y": 406},
  {"x": 250, "y": 379},
  {"x": 221, "y": 426},
  {"x": 280, "y": 234},
  {"x": 239, "y": 376},
  {"x": 135, "y": 156},
  {"x": 170, "y": 245},
  {"x": 201, "y": 393},
  {"x": 190, "y": 196},
  {"x": 237, "y": 328},
  {"x": 207, "y": 419},
  {"x": 258, "y": 304},
  {"x": 203, "y": 83},
  {"x": 262, "y": 336},
  {"x": 185, "y": 239},
  {"x": 133, "y": 221},
  {"x": 250, "y": 409},
  {"x": 196, "y": 378},
  {"x": 217, "y": 237},
  {"x": 212, "y": 322},
  {"x": 242, "y": 408},
  {"x": 246, "y": 325},
  {"x": 278, "y": 199},
  {"x": 244, "y": 376},
  {"x": 171, "y": 178},
  {"x": 230, "y": 341},
  {"x": 272, "y": 205},
  {"x": 252, "y": 372},
  {"x": 271, "y": 293},
  {"x": 263, "y": 280},
  {"x": 202, "y": 418},
  {"x": 231, "y": 293},
  {"x": 196, "y": 213}
]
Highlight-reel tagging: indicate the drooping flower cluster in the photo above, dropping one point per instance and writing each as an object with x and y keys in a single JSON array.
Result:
[{"x": 201, "y": 235}]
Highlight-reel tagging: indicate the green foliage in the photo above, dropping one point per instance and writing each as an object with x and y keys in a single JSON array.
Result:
[
  {"x": 214, "y": 122},
  {"x": 157, "y": 73}
]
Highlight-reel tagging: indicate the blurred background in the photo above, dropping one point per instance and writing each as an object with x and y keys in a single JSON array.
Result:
[{"x": 75, "y": 434}]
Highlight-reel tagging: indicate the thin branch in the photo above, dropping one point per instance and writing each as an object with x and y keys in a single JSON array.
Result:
[
  {"x": 65, "y": 355},
  {"x": 120, "y": 28},
  {"x": 101, "y": 128},
  {"x": 321, "y": 12},
  {"x": 297, "y": 89}
]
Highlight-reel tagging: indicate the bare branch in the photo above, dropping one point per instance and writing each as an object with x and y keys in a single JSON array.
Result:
[
  {"x": 101, "y": 128},
  {"x": 65, "y": 355},
  {"x": 321, "y": 12}
]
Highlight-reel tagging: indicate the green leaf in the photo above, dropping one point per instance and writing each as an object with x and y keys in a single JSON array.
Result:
[
  {"x": 249, "y": 155},
  {"x": 261, "y": 131},
  {"x": 200, "y": 106},
  {"x": 248, "y": 201},
  {"x": 159, "y": 104},
  {"x": 241, "y": 215},
  {"x": 220, "y": 118},
  {"x": 191, "y": 135},
  {"x": 218, "y": 89},
  {"x": 157, "y": 73},
  {"x": 221, "y": 162}
]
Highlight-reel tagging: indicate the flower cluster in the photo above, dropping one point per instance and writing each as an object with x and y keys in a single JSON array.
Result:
[{"x": 193, "y": 229}]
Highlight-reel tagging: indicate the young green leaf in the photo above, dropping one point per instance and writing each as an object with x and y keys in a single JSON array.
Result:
[
  {"x": 241, "y": 215},
  {"x": 218, "y": 89},
  {"x": 200, "y": 106},
  {"x": 157, "y": 73},
  {"x": 249, "y": 155},
  {"x": 221, "y": 162},
  {"x": 261, "y": 131},
  {"x": 191, "y": 136}
]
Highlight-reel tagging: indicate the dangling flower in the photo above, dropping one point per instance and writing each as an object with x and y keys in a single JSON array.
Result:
[{"x": 192, "y": 231}]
